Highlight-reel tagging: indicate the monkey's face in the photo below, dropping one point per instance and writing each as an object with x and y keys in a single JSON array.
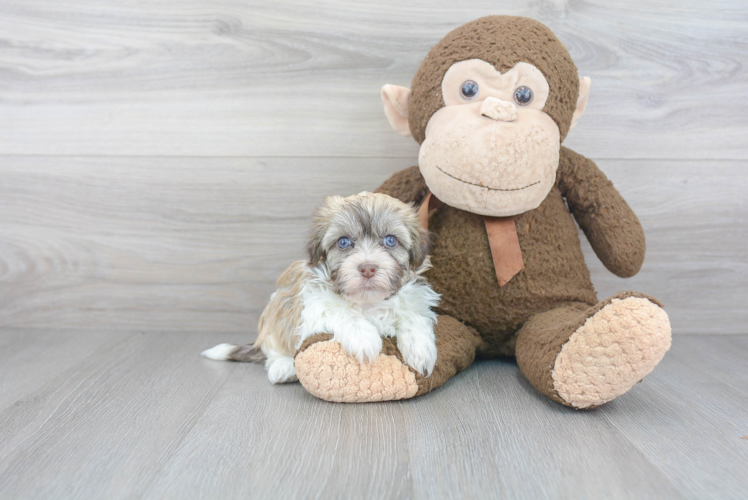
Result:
[
  {"x": 490, "y": 141},
  {"x": 491, "y": 150}
]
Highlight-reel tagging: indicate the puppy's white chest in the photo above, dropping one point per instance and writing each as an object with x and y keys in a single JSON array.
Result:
[
  {"x": 327, "y": 312},
  {"x": 383, "y": 317}
]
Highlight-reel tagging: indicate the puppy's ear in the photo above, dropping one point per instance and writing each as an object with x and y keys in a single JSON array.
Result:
[
  {"x": 321, "y": 218},
  {"x": 420, "y": 247},
  {"x": 314, "y": 247}
]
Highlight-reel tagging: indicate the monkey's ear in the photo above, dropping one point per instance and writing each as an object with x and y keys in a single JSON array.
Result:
[
  {"x": 584, "y": 93},
  {"x": 395, "y": 101}
]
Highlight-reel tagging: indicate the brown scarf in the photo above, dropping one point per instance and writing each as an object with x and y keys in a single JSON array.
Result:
[{"x": 502, "y": 238}]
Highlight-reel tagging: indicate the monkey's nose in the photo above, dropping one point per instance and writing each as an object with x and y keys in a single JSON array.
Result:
[
  {"x": 498, "y": 110},
  {"x": 368, "y": 270}
]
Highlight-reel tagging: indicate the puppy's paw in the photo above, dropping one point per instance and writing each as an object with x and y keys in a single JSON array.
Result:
[
  {"x": 281, "y": 370},
  {"x": 419, "y": 351},
  {"x": 361, "y": 340}
]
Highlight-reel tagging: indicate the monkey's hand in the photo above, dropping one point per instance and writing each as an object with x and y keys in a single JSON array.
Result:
[{"x": 612, "y": 228}]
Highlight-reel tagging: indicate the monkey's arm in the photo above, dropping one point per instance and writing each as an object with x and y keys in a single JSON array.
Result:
[
  {"x": 608, "y": 222},
  {"x": 406, "y": 185}
]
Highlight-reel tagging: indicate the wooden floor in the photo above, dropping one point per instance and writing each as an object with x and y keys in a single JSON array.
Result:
[{"x": 141, "y": 415}]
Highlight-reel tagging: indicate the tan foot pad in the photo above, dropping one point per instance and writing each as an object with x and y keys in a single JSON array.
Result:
[
  {"x": 614, "y": 349},
  {"x": 327, "y": 372}
]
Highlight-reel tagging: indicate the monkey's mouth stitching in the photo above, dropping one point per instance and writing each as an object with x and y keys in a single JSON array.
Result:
[{"x": 485, "y": 187}]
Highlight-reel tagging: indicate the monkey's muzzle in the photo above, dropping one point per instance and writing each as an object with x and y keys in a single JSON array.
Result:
[{"x": 498, "y": 109}]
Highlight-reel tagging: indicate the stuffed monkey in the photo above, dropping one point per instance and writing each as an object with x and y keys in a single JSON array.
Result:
[{"x": 490, "y": 106}]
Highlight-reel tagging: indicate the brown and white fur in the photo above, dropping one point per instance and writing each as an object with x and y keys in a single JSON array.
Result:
[{"x": 358, "y": 293}]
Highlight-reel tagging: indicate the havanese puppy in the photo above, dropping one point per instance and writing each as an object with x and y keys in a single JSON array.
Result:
[{"x": 363, "y": 280}]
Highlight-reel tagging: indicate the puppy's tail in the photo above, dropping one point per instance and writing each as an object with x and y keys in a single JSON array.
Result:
[{"x": 231, "y": 352}]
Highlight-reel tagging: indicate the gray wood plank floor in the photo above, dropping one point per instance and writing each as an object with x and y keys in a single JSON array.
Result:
[{"x": 141, "y": 415}]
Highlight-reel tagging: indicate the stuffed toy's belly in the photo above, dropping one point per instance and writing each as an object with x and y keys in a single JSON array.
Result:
[{"x": 463, "y": 272}]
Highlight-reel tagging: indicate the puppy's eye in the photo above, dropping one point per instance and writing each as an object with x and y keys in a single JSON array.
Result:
[
  {"x": 344, "y": 243},
  {"x": 523, "y": 96},
  {"x": 469, "y": 90},
  {"x": 390, "y": 241}
]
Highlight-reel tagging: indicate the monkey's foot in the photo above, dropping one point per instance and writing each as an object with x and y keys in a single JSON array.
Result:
[
  {"x": 326, "y": 371},
  {"x": 613, "y": 350}
]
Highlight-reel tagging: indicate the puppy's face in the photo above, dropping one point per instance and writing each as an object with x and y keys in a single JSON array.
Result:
[{"x": 368, "y": 242}]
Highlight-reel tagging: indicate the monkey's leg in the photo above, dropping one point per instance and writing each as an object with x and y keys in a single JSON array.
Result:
[
  {"x": 583, "y": 356},
  {"x": 326, "y": 371}
]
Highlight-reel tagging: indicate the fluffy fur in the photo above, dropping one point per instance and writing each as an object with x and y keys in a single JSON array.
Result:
[{"x": 358, "y": 293}]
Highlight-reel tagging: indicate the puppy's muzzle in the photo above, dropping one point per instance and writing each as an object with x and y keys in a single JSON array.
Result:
[{"x": 368, "y": 270}]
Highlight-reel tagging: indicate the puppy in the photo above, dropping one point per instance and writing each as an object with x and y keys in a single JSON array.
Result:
[{"x": 362, "y": 281}]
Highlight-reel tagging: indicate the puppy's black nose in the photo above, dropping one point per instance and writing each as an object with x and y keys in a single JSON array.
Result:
[{"x": 368, "y": 270}]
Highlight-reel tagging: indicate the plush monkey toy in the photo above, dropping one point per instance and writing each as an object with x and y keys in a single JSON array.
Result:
[{"x": 490, "y": 106}]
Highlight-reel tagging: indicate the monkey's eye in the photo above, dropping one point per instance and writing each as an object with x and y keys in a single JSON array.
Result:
[
  {"x": 469, "y": 90},
  {"x": 344, "y": 243},
  {"x": 390, "y": 241},
  {"x": 523, "y": 96}
]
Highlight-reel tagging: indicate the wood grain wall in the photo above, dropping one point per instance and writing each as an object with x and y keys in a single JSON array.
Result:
[{"x": 159, "y": 160}]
